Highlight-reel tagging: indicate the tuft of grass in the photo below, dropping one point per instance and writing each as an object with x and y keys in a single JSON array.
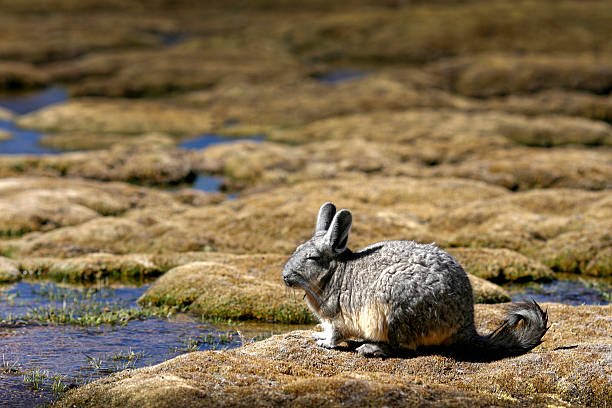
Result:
[
  {"x": 112, "y": 363},
  {"x": 130, "y": 355},
  {"x": 36, "y": 378},
  {"x": 86, "y": 314},
  {"x": 191, "y": 344},
  {"x": 86, "y": 307},
  {"x": 212, "y": 341},
  {"x": 10, "y": 367},
  {"x": 59, "y": 384}
]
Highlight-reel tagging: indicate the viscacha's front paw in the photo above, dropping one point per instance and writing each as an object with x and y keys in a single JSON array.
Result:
[
  {"x": 320, "y": 335},
  {"x": 328, "y": 344}
]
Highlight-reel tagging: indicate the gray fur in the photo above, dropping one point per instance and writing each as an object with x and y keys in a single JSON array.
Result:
[
  {"x": 326, "y": 215},
  {"x": 396, "y": 295}
]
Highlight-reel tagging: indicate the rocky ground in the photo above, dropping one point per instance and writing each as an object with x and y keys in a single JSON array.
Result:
[{"x": 481, "y": 126}]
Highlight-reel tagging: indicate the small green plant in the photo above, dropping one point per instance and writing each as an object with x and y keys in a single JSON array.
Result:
[
  {"x": 35, "y": 378},
  {"x": 191, "y": 344},
  {"x": 123, "y": 365},
  {"x": 603, "y": 286},
  {"x": 9, "y": 367},
  {"x": 58, "y": 384},
  {"x": 130, "y": 355},
  {"x": 96, "y": 363}
]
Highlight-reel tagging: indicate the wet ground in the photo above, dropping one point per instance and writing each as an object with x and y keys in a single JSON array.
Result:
[{"x": 64, "y": 356}]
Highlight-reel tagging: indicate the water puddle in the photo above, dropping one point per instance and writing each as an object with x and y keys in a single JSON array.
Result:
[
  {"x": 204, "y": 182},
  {"x": 55, "y": 337},
  {"x": 209, "y": 139},
  {"x": 567, "y": 290},
  {"x": 207, "y": 182},
  {"x": 170, "y": 39},
  {"x": 25, "y": 141},
  {"x": 32, "y": 101},
  {"x": 337, "y": 76}
]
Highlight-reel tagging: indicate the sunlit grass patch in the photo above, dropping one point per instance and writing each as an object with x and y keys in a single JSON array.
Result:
[{"x": 218, "y": 291}]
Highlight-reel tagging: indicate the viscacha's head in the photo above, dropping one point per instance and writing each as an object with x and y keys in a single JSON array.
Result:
[{"x": 314, "y": 260}]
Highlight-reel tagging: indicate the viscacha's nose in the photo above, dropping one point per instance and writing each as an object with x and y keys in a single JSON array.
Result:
[{"x": 286, "y": 275}]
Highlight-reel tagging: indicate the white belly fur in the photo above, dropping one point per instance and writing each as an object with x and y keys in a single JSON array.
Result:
[{"x": 369, "y": 323}]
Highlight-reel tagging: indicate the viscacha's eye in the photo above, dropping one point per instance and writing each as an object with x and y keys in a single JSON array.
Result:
[{"x": 314, "y": 258}]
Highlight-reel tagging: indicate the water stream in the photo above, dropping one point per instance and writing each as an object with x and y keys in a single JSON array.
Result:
[{"x": 26, "y": 141}]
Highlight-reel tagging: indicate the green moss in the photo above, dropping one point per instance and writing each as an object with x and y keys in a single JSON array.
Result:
[
  {"x": 92, "y": 268},
  {"x": 601, "y": 264},
  {"x": 580, "y": 252},
  {"x": 217, "y": 291},
  {"x": 501, "y": 265},
  {"x": 239, "y": 306}
]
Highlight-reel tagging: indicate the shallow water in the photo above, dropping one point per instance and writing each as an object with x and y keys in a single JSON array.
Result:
[
  {"x": 570, "y": 291},
  {"x": 29, "y": 102},
  {"x": 204, "y": 182},
  {"x": 83, "y": 354},
  {"x": 25, "y": 141},
  {"x": 208, "y": 139}
]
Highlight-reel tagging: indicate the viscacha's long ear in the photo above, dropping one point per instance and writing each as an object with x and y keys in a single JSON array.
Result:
[
  {"x": 326, "y": 214},
  {"x": 338, "y": 233}
]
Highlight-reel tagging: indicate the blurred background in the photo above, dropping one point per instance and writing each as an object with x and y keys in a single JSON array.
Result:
[{"x": 121, "y": 69}]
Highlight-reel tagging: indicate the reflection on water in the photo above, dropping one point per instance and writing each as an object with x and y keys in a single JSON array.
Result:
[
  {"x": 204, "y": 182},
  {"x": 202, "y": 141}
]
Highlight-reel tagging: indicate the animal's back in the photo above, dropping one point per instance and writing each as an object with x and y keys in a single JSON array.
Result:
[{"x": 422, "y": 292}]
